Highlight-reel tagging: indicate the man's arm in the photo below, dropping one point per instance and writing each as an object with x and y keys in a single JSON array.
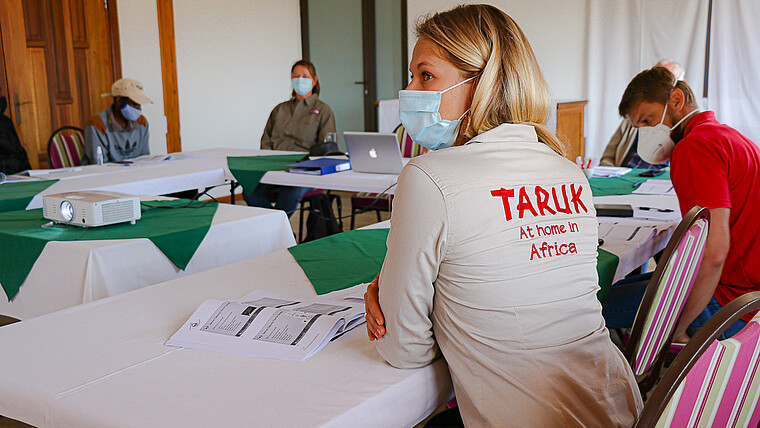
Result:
[
  {"x": 93, "y": 137},
  {"x": 716, "y": 250},
  {"x": 266, "y": 137},
  {"x": 608, "y": 157}
]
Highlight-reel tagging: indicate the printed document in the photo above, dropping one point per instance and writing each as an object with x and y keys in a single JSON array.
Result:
[
  {"x": 656, "y": 187},
  {"x": 263, "y": 324}
]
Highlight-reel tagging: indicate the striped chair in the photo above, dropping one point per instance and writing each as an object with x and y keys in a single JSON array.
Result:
[
  {"x": 364, "y": 201},
  {"x": 665, "y": 297},
  {"x": 712, "y": 383},
  {"x": 65, "y": 147}
]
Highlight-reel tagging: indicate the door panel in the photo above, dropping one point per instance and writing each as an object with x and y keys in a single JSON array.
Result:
[
  {"x": 335, "y": 48},
  {"x": 62, "y": 63},
  {"x": 19, "y": 76}
]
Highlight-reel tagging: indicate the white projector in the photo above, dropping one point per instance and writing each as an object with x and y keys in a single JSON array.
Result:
[{"x": 91, "y": 208}]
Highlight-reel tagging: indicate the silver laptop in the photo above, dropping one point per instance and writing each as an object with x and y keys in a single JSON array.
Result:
[{"x": 373, "y": 152}]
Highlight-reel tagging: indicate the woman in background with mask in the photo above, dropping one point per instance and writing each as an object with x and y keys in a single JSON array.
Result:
[
  {"x": 294, "y": 125},
  {"x": 492, "y": 247}
]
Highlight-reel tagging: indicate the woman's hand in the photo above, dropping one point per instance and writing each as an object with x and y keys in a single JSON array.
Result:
[{"x": 373, "y": 314}]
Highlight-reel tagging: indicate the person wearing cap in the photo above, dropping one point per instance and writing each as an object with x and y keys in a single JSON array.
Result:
[
  {"x": 621, "y": 149},
  {"x": 121, "y": 131}
]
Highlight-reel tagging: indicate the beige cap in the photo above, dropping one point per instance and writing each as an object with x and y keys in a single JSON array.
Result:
[{"x": 129, "y": 88}]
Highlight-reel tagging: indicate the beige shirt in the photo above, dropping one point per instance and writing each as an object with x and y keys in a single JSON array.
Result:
[
  {"x": 485, "y": 262},
  {"x": 620, "y": 144},
  {"x": 296, "y": 125}
]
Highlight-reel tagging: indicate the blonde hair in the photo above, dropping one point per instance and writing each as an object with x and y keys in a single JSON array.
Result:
[{"x": 481, "y": 40}]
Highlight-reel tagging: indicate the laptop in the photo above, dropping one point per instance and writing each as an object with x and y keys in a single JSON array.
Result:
[{"x": 373, "y": 152}]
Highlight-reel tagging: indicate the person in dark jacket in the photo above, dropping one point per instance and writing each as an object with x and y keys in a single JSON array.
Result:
[{"x": 13, "y": 157}]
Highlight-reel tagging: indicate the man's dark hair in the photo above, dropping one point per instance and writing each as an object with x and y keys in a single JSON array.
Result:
[{"x": 653, "y": 86}]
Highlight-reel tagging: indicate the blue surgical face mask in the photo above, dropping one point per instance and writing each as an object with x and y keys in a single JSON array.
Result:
[
  {"x": 418, "y": 111},
  {"x": 130, "y": 113},
  {"x": 302, "y": 85}
]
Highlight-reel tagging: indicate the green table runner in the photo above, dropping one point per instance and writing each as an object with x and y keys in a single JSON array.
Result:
[
  {"x": 623, "y": 185},
  {"x": 606, "y": 265},
  {"x": 16, "y": 196},
  {"x": 342, "y": 260},
  {"x": 176, "y": 232},
  {"x": 248, "y": 170},
  {"x": 346, "y": 259}
]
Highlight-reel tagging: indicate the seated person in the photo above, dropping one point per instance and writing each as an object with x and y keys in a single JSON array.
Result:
[
  {"x": 713, "y": 166},
  {"x": 294, "y": 125},
  {"x": 621, "y": 150},
  {"x": 13, "y": 157},
  {"x": 121, "y": 131},
  {"x": 473, "y": 268}
]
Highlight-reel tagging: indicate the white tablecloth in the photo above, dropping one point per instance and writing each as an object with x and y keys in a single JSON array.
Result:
[
  {"x": 349, "y": 181},
  {"x": 201, "y": 169},
  {"x": 104, "y": 364},
  {"x": 71, "y": 273},
  {"x": 632, "y": 257}
]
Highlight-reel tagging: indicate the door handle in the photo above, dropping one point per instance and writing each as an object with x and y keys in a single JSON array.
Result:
[
  {"x": 18, "y": 103},
  {"x": 360, "y": 83}
]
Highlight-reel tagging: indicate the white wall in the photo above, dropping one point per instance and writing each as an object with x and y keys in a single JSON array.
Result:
[
  {"x": 556, "y": 29},
  {"x": 141, "y": 60},
  {"x": 233, "y": 67}
]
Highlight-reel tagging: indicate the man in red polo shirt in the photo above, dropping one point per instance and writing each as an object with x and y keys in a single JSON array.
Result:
[{"x": 714, "y": 166}]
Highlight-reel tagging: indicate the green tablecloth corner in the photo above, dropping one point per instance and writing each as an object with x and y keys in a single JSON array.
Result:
[
  {"x": 622, "y": 185},
  {"x": 342, "y": 260},
  {"x": 176, "y": 232},
  {"x": 606, "y": 265},
  {"x": 248, "y": 170},
  {"x": 16, "y": 196},
  {"x": 346, "y": 259}
]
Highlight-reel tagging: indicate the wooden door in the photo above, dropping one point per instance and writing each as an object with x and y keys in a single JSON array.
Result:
[{"x": 57, "y": 63}]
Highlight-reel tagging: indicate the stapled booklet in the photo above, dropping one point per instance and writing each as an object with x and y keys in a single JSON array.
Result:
[{"x": 263, "y": 324}]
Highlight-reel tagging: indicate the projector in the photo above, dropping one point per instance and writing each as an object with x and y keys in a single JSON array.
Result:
[{"x": 91, "y": 208}]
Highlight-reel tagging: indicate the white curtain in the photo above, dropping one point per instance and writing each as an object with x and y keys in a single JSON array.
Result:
[
  {"x": 628, "y": 36},
  {"x": 734, "y": 75}
]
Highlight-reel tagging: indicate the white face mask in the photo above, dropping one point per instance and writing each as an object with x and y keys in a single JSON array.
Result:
[{"x": 655, "y": 144}]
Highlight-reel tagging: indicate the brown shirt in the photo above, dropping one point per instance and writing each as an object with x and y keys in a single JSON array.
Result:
[{"x": 296, "y": 125}]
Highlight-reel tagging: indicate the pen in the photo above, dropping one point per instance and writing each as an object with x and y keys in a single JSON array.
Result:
[
  {"x": 662, "y": 210},
  {"x": 637, "y": 184}
]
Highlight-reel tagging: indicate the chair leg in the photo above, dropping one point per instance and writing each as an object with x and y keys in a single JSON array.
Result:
[
  {"x": 339, "y": 204},
  {"x": 353, "y": 217},
  {"x": 379, "y": 218},
  {"x": 300, "y": 221}
]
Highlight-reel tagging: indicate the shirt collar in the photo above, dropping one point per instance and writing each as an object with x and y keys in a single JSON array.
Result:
[
  {"x": 698, "y": 119},
  {"x": 507, "y": 132},
  {"x": 310, "y": 101}
]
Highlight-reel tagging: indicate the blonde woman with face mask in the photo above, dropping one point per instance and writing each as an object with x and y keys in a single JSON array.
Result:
[{"x": 492, "y": 249}]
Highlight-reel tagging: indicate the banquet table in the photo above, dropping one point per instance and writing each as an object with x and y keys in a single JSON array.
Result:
[{"x": 75, "y": 272}]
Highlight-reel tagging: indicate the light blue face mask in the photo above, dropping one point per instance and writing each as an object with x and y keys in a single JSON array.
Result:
[
  {"x": 302, "y": 85},
  {"x": 130, "y": 113},
  {"x": 418, "y": 111}
]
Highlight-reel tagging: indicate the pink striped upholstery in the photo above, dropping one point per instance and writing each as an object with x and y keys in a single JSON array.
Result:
[
  {"x": 66, "y": 148},
  {"x": 672, "y": 291},
  {"x": 409, "y": 148},
  {"x": 722, "y": 389}
]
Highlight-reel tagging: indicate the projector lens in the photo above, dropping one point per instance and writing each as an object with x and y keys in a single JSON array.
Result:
[{"x": 67, "y": 211}]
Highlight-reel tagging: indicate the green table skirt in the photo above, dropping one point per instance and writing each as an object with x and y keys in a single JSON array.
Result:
[
  {"x": 248, "y": 170},
  {"x": 16, "y": 196},
  {"x": 346, "y": 259},
  {"x": 177, "y": 232}
]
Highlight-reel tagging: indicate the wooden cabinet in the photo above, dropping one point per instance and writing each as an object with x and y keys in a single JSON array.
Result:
[{"x": 570, "y": 119}]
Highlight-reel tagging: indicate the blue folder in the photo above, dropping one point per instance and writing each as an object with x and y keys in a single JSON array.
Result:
[{"x": 321, "y": 166}]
